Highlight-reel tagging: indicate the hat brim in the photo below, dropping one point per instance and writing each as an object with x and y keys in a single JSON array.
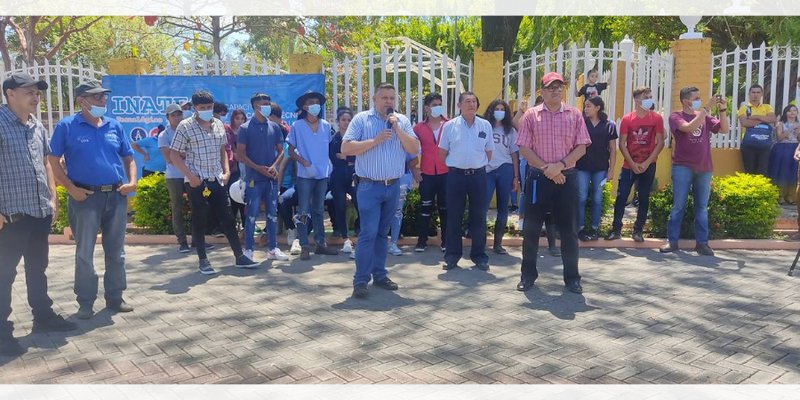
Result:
[
  {"x": 96, "y": 91},
  {"x": 41, "y": 85},
  {"x": 550, "y": 82},
  {"x": 301, "y": 101}
]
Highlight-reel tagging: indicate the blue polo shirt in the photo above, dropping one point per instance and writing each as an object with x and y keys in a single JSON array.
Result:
[
  {"x": 93, "y": 155},
  {"x": 260, "y": 139},
  {"x": 150, "y": 146},
  {"x": 313, "y": 147}
]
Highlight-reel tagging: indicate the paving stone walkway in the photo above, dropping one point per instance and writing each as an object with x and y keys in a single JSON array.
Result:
[{"x": 644, "y": 318}]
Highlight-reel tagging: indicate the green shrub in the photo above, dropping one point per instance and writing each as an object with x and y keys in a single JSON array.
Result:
[
  {"x": 739, "y": 206},
  {"x": 151, "y": 206},
  {"x": 62, "y": 219},
  {"x": 410, "y": 213}
]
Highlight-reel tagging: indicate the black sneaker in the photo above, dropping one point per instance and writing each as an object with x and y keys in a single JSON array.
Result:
[
  {"x": 613, "y": 235},
  {"x": 419, "y": 248},
  {"x": 326, "y": 251},
  {"x": 669, "y": 247},
  {"x": 9, "y": 346},
  {"x": 574, "y": 287},
  {"x": 704, "y": 249},
  {"x": 554, "y": 251},
  {"x": 499, "y": 250},
  {"x": 205, "y": 267},
  {"x": 637, "y": 237},
  {"x": 592, "y": 235},
  {"x": 244, "y": 261},
  {"x": 385, "y": 283},
  {"x": 360, "y": 291},
  {"x": 53, "y": 323},
  {"x": 482, "y": 266},
  {"x": 184, "y": 248},
  {"x": 583, "y": 236},
  {"x": 448, "y": 267}
]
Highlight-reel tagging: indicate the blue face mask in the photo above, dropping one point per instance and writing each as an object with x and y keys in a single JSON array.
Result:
[
  {"x": 187, "y": 114},
  {"x": 437, "y": 111},
  {"x": 647, "y": 104},
  {"x": 205, "y": 115},
  {"x": 265, "y": 110},
  {"x": 696, "y": 104},
  {"x": 314, "y": 109},
  {"x": 97, "y": 112},
  {"x": 499, "y": 115}
]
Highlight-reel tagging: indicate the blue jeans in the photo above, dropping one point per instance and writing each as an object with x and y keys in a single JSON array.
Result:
[
  {"x": 376, "y": 207},
  {"x": 502, "y": 180},
  {"x": 311, "y": 197},
  {"x": 597, "y": 179},
  {"x": 682, "y": 178},
  {"x": 106, "y": 211},
  {"x": 254, "y": 194},
  {"x": 397, "y": 222}
]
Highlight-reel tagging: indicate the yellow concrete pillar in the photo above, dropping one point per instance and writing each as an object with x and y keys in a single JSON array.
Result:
[
  {"x": 619, "y": 81},
  {"x": 487, "y": 79},
  {"x": 305, "y": 63},
  {"x": 128, "y": 66}
]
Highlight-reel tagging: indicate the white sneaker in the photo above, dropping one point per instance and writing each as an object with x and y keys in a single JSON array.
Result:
[
  {"x": 248, "y": 253},
  {"x": 296, "y": 249},
  {"x": 291, "y": 235},
  {"x": 348, "y": 246},
  {"x": 394, "y": 250},
  {"x": 277, "y": 254}
]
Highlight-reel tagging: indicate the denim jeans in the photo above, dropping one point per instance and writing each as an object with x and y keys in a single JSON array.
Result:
[
  {"x": 432, "y": 187},
  {"x": 461, "y": 187},
  {"x": 562, "y": 202},
  {"x": 376, "y": 206},
  {"x": 106, "y": 211},
  {"x": 219, "y": 204},
  {"x": 682, "y": 178},
  {"x": 626, "y": 180},
  {"x": 256, "y": 193},
  {"x": 590, "y": 183},
  {"x": 26, "y": 239},
  {"x": 311, "y": 203},
  {"x": 500, "y": 180},
  {"x": 341, "y": 183},
  {"x": 397, "y": 222},
  {"x": 176, "y": 189}
]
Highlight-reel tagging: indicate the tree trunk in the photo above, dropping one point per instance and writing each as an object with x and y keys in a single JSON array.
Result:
[
  {"x": 4, "y": 44},
  {"x": 216, "y": 39},
  {"x": 498, "y": 32}
]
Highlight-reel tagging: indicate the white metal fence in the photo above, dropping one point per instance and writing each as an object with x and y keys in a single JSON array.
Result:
[
  {"x": 521, "y": 77},
  {"x": 220, "y": 67},
  {"x": 775, "y": 68},
  {"x": 62, "y": 78},
  {"x": 412, "y": 68}
]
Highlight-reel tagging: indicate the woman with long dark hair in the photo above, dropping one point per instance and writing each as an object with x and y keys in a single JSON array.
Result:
[
  {"x": 596, "y": 167},
  {"x": 238, "y": 117},
  {"x": 502, "y": 172}
]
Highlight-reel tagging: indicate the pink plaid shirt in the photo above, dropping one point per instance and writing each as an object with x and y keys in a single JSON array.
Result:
[{"x": 552, "y": 135}]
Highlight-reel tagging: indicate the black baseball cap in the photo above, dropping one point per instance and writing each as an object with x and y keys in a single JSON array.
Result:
[
  {"x": 22, "y": 79},
  {"x": 90, "y": 87}
]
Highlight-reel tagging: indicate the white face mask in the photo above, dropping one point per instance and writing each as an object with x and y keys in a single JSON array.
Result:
[
  {"x": 696, "y": 104},
  {"x": 205, "y": 115},
  {"x": 499, "y": 115},
  {"x": 647, "y": 104},
  {"x": 265, "y": 111},
  {"x": 437, "y": 111},
  {"x": 314, "y": 109}
]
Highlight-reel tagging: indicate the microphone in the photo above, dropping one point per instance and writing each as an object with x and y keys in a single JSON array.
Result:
[{"x": 389, "y": 112}]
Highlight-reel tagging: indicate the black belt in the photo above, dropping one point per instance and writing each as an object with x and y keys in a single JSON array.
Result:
[
  {"x": 385, "y": 182},
  {"x": 11, "y": 218},
  {"x": 468, "y": 171},
  {"x": 100, "y": 188}
]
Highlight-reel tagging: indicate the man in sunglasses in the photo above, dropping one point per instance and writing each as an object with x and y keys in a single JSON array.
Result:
[{"x": 99, "y": 176}]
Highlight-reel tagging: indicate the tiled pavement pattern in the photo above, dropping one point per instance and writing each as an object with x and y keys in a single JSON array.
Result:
[{"x": 644, "y": 318}]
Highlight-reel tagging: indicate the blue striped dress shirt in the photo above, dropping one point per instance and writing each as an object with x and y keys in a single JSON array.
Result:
[{"x": 386, "y": 160}]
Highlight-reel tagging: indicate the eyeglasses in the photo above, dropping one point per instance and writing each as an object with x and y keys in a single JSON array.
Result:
[
  {"x": 97, "y": 96},
  {"x": 559, "y": 88}
]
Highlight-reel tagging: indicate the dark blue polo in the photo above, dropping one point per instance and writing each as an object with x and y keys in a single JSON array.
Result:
[
  {"x": 260, "y": 139},
  {"x": 93, "y": 155}
]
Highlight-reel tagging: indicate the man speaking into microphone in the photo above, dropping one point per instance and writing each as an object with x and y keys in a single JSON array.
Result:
[{"x": 379, "y": 139}]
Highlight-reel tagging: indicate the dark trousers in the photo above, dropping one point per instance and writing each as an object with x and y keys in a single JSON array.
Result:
[
  {"x": 236, "y": 208},
  {"x": 460, "y": 188},
  {"x": 644, "y": 183},
  {"x": 219, "y": 202},
  {"x": 432, "y": 188},
  {"x": 541, "y": 196},
  {"x": 25, "y": 239},
  {"x": 341, "y": 184},
  {"x": 756, "y": 161}
]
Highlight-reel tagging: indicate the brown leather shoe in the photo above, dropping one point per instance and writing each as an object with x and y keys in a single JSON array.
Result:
[{"x": 704, "y": 250}]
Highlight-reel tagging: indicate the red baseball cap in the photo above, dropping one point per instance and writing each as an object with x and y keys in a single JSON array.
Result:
[{"x": 551, "y": 77}]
